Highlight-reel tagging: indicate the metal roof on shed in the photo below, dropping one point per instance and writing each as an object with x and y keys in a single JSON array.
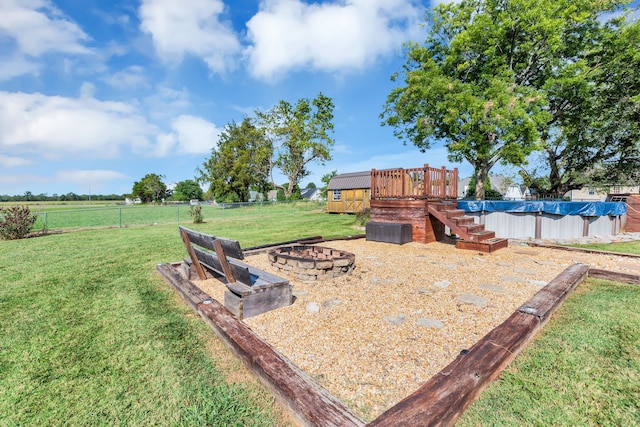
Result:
[{"x": 348, "y": 181}]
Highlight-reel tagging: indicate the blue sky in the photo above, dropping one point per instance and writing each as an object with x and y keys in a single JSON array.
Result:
[{"x": 95, "y": 94}]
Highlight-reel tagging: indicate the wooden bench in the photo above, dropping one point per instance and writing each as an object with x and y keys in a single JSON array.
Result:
[{"x": 250, "y": 291}]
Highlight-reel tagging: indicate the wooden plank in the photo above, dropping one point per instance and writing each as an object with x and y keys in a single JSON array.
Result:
[
  {"x": 231, "y": 247},
  {"x": 616, "y": 276},
  {"x": 549, "y": 298},
  {"x": 262, "y": 302},
  {"x": 584, "y": 250},
  {"x": 196, "y": 263},
  {"x": 307, "y": 401},
  {"x": 239, "y": 288},
  {"x": 212, "y": 262},
  {"x": 224, "y": 263}
]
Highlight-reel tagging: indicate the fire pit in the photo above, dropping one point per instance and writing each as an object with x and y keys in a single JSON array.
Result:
[{"x": 312, "y": 262}]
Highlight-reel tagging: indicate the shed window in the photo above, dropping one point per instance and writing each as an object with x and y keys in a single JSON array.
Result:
[{"x": 337, "y": 195}]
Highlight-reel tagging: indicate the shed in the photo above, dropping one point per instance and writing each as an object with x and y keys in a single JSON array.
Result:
[{"x": 349, "y": 192}]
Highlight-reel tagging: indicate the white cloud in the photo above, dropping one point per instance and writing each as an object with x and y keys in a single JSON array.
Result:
[
  {"x": 131, "y": 77},
  {"x": 57, "y": 126},
  {"x": 338, "y": 36},
  {"x": 38, "y": 27},
  {"x": 17, "y": 66},
  {"x": 191, "y": 27},
  {"x": 195, "y": 135},
  {"x": 12, "y": 162}
]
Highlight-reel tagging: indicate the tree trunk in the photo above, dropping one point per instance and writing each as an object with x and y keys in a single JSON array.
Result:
[{"x": 481, "y": 172}]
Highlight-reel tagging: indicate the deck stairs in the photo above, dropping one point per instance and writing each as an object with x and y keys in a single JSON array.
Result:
[{"x": 473, "y": 236}]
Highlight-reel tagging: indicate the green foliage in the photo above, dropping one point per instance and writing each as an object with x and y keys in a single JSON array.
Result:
[
  {"x": 326, "y": 178},
  {"x": 242, "y": 160},
  {"x": 489, "y": 192},
  {"x": 300, "y": 134},
  {"x": 195, "y": 212},
  {"x": 311, "y": 185},
  {"x": 150, "y": 188},
  {"x": 187, "y": 190},
  {"x": 17, "y": 222},
  {"x": 363, "y": 216},
  {"x": 493, "y": 78}
]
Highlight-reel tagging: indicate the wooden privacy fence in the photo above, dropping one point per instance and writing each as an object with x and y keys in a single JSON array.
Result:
[{"x": 414, "y": 183}]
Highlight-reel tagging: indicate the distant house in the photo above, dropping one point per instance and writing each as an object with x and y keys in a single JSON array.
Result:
[
  {"x": 349, "y": 192},
  {"x": 311, "y": 194},
  {"x": 589, "y": 194}
]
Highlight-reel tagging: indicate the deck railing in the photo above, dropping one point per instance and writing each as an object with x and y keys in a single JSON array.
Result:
[{"x": 414, "y": 183}]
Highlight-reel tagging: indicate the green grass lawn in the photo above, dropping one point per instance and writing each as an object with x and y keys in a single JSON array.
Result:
[
  {"x": 627, "y": 248},
  {"x": 91, "y": 335},
  {"x": 582, "y": 370}
]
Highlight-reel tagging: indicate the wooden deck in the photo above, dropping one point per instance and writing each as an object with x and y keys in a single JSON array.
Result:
[{"x": 426, "y": 198}]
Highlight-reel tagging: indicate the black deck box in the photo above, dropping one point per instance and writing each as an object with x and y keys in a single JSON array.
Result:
[{"x": 390, "y": 232}]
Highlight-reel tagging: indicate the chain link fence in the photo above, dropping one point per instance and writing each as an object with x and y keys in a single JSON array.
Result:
[{"x": 129, "y": 216}]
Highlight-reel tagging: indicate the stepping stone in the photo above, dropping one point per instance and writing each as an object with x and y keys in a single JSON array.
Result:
[
  {"x": 313, "y": 307},
  {"x": 525, "y": 252},
  {"x": 537, "y": 282},
  {"x": 524, "y": 271},
  {"x": 395, "y": 320},
  {"x": 374, "y": 280},
  {"x": 523, "y": 260},
  {"x": 512, "y": 279},
  {"x": 449, "y": 266},
  {"x": 300, "y": 293},
  {"x": 504, "y": 264},
  {"x": 329, "y": 304},
  {"x": 479, "y": 259},
  {"x": 429, "y": 323},
  {"x": 543, "y": 262},
  {"x": 493, "y": 288},
  {"x": 442, "y": 284},
  {"x": 425, "y": 291},
  {"x": 473, "y": 299}
]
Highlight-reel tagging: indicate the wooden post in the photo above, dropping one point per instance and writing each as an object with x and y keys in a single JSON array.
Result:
[
  {"x": 192, "y": 255},
  {"x": 425, "y": 179},
  {"x": 222, "y": 257},
  {"x": 443, "y": 195},
  {"x": 373, "y": 184},
  {"x": 455, "y": 183},
  {"x": 585, "y": 226}
]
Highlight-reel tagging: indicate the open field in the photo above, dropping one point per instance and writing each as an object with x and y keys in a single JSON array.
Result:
[
  {"x": 91, "y": 335},
  {"x": 53, "y": 217}
]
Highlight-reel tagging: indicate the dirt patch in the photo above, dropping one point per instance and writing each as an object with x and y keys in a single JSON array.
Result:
[{"x": 373, "y": 337}]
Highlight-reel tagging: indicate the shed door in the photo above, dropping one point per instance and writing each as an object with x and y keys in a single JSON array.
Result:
[{"x": 354, "y": 201}]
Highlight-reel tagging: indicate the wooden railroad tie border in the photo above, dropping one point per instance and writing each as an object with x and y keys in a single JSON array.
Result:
[{"x": 438, "y": 402}]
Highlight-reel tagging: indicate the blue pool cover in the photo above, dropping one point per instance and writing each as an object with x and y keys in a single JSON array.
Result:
[{"x": 556, "y": 208}]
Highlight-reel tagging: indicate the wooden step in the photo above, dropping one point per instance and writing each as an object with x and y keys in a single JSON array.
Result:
[
  {"x": 463, "y": 220},
  {"x": 479, "y": 236},
  {"x": 473, "y": 228},
  {"x": 453, "y": 213},
  {"x": 488, "y": 246}
]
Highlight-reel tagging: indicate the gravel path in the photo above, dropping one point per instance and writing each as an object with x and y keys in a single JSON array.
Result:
[{"x": 373, "y": 337}]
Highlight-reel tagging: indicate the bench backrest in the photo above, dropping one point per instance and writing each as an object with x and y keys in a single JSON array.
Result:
[{"x": 216, "y": 261}]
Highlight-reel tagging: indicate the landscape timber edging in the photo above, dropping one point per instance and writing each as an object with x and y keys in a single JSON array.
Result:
[{"x": 440, "y": 401}]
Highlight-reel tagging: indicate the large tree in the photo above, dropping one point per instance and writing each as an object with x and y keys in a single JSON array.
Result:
[
  {"x": 187, "y": 190},
  {"x": 481, "y": 81},
  {"x": 594, "y": 135},
  {"x": 241, "y": 161},
  {"x": 300, "y": 135},
  {"x": 150, "y": 188}
]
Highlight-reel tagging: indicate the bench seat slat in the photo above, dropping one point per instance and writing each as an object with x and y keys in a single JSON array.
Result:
[
  {"x": 240, "y": 270},
  {"x": 231, "y": 247}
]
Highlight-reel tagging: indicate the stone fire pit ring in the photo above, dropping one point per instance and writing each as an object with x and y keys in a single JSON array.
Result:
[{"x": 309, "y": 262}]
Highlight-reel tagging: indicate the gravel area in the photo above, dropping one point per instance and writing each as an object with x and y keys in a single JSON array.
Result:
[{"x": 373, "y": 337}]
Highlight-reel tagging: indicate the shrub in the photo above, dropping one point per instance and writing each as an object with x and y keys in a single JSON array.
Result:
[
  {"x": 17, "y": 222},
  {"x": 196, "y": 213},
  {"x": 363, "y": 216}
]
